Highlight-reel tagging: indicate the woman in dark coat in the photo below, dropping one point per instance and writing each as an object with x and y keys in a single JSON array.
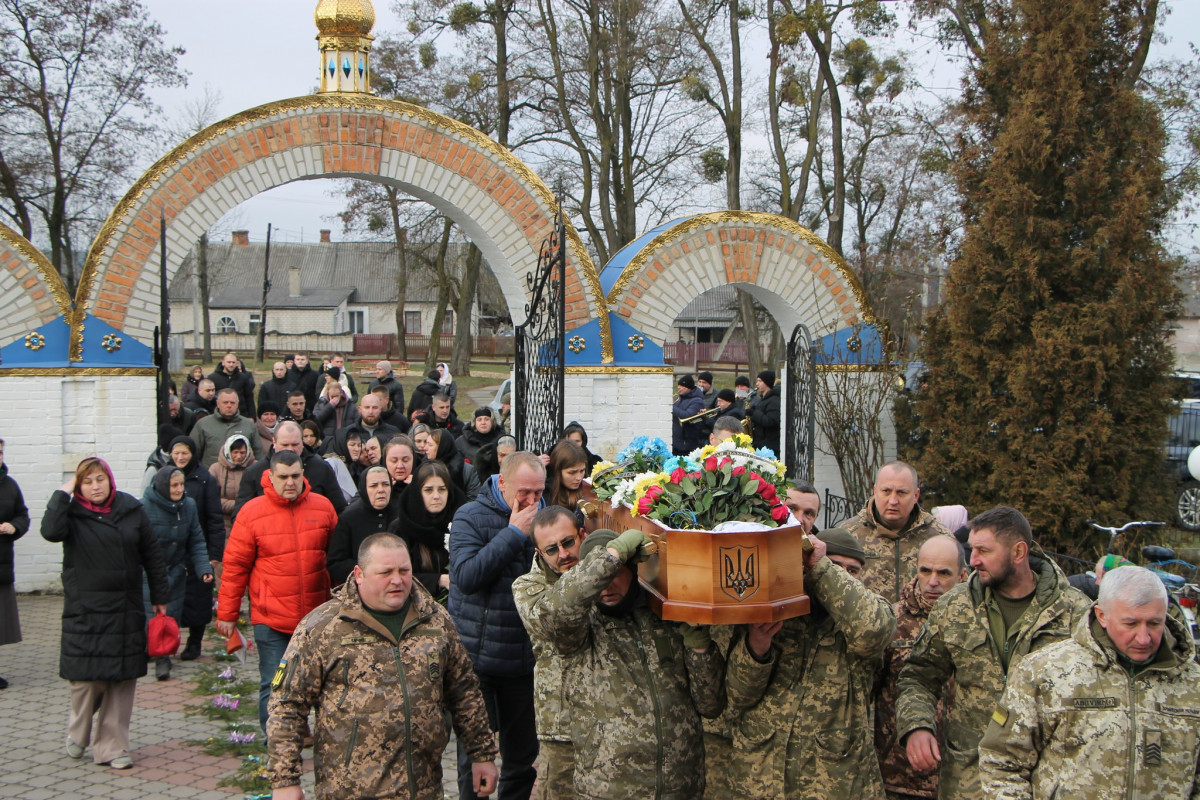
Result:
[
  {"x": 441, "y": 448},
  {"x": 203, "y": 488},
  {"x": 14, "y": 522},
  {"x": 107, "y": 543},
  {"x": 575, "y": 432},
  {"x": 427, "y": 507},
  {"x": 371, "y": 512},
  {"x": 173, "y": 515}
]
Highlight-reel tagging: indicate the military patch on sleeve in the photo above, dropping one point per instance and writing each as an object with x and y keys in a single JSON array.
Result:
[
  {"x": 279, "y": 673},
  {"x": 435, "y": 668},
  {"x": 1151, "y": 748},
  {"x": 1094, "y": 702},
  {"x": 1000, "y": 716}
]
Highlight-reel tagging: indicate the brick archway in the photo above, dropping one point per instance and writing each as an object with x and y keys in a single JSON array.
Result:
[
  {"x": 786, "y": 267},
  {"x": 33, "y": 291},
  {"x": 497, "y": 200}
]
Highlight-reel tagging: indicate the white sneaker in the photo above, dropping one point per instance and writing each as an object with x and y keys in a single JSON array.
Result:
[
  {"x": 74, "y": 750},
  {"x": 121, "y": 762}
]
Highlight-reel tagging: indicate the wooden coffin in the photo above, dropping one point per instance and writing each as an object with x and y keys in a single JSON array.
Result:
[{"x": 711, "y": 578}]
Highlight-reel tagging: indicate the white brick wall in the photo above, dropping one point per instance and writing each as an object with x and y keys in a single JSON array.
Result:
[
  {"x": 62, "y": 420},
  {"x": 614, "y": 408}
]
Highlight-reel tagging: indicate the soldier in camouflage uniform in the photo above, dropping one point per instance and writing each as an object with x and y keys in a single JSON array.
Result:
[
  {"x": 382, "y": 665},
  {"x": 969, "y": 637},
  {"x": 940, "y": 567},
  {"x": 801, "y": 688},
  {"x": 636, "y": 685},
  {"x": 558, "y": 539},
  {"x": 892, "y": 527},
  {"x": 1113, "y": 712}
]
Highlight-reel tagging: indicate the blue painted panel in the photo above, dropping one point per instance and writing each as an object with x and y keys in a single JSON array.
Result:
[
  {"x": 856, "y": 345},
  {"x": 56, "y": 338},
  {"x": 612, "y": 270},
  {"x": 586, "y": 339}
]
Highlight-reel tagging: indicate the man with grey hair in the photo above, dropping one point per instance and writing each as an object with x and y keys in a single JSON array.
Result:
[{"x": 1111, "y": 712}]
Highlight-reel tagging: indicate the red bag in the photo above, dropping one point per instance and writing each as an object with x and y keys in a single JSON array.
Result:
[{"x": 162, "y": 636}]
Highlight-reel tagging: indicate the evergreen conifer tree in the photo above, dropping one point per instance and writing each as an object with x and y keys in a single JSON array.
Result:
[{"x": 1048, "y": 383}]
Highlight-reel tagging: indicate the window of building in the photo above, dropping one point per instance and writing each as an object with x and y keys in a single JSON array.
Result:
[
  {"x": 448, "y": 323},
  {"x": 226, "y": 325},
  {"x": 255, "y": 321},
  {"x": 358, "y": 320},
  {"x": 412, "y": 323}
]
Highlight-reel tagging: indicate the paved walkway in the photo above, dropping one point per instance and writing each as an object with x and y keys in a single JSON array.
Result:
[{"x": 33, "y": 721}]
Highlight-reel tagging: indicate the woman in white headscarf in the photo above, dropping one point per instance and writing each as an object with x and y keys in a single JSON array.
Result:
[{"x": 449, "y": 387}]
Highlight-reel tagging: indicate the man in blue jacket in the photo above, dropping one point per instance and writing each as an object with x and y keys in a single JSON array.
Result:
[{"x": 491, "y": 545}]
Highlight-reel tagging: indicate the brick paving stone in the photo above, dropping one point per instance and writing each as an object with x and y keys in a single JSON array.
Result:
[{"x": 33, "y": 719}]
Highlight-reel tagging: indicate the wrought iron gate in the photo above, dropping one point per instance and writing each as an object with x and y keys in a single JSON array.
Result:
[
  {"x": 538, "y": 401},
  {"x": 801, "y": 404}
]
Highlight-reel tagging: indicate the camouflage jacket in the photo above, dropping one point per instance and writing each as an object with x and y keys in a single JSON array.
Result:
[
  {"x": 957, "y": 642},
  {"x": 381, "y": 721},
  {"x": 805, "y": 719},
  {"x": 633, "y": 690},
  {"x": 549, "y": 687},
  {"x": 911, "y": 613},
  {"x": 1073, "y": 721},
  {"x": 891, "y": 556}
]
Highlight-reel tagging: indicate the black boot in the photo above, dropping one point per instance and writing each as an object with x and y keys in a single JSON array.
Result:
[
  {"x": 195, "y": 638},
  {"x": 162, "y": 668}
]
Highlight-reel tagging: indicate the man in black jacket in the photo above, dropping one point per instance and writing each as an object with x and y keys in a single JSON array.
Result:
[
  {"x": 305, "y": 378},
  {"x": 766, "y": 413},
  {"x": 321, "y": 479},
  {"x": 276, "y": 389},
  {"x": 230, "y": 375},
  {"x": 204, "y": 401},
  {"x": 422, "y": 396},
  {"x": 385, "y": 377}
]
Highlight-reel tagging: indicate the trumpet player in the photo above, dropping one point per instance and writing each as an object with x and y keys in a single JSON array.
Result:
[{"x": 686, "y": 429}]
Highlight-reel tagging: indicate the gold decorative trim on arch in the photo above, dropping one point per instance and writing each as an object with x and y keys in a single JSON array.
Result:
[
  {"x": 855, "y": 368},
  {"x": 335, "y": 102},
  {"x": 620, "y": 370},
  {"x": 58, "y": 289},
  {"x": 783, "y": 224},
  {"x": 76, "y": 372}
]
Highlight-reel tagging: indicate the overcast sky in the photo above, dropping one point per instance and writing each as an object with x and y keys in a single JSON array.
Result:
[{"x": 256, "y": 51}]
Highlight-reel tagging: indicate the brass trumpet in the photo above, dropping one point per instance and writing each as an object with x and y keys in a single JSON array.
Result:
[{"x": 705, "y": 414}]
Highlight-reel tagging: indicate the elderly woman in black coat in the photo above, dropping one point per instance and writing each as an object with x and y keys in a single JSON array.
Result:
[
  {"x": 107, "y": 543},
  {"x": 203, "y": 488}
]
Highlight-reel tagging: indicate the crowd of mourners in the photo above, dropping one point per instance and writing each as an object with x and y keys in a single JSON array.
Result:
[{"x": 412, "y": 575}]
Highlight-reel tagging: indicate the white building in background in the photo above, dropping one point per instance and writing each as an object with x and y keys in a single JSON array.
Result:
[{"x": 322, "y": 289}]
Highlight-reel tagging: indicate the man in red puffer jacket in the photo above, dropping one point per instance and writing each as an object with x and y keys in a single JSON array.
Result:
[{"x": 277, "y": 546}]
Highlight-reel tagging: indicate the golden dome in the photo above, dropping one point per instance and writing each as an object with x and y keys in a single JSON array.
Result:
[{"x": 344, "y": 17}]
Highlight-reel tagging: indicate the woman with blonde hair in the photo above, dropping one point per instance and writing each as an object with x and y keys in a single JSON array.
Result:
[{"x": 108, "y": 542}]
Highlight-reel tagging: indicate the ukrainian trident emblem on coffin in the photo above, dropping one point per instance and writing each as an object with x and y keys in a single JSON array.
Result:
[{"x": 738, "y": 566}]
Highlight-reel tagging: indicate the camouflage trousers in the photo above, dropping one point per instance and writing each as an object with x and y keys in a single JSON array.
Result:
[
  {"x": 718, "y": 758},
  {"x": 556, "y": 771}
]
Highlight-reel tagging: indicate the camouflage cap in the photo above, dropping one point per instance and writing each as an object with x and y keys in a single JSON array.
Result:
[
  {"x": 841, "y": 542},
  {"x": 597, "y": 538}
]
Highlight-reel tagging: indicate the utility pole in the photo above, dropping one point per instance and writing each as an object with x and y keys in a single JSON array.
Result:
[{"x": 260, "y": 351}]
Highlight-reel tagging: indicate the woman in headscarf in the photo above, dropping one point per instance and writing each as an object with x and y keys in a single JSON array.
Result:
[
  {"x": 575, "y": 432},
  {"x": 441, "y": 448},
  {"x": 401, "y": 458},
  {"x": 175, "y": 520},
  {"x": 107, "y": 542},
  {"x": 426, "y": 510},
  {"x": 371, "y": 512},
  {"x": 565, "y": 474},
  {"x": 189, "y": 386},
  {"x": 231, "y": 465},
  {"x": 202, "y": 487},
  {"x": 447, "y": 384}
]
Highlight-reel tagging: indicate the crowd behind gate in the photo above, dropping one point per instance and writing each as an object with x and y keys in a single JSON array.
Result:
[{"x": 411, "y": 573}]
